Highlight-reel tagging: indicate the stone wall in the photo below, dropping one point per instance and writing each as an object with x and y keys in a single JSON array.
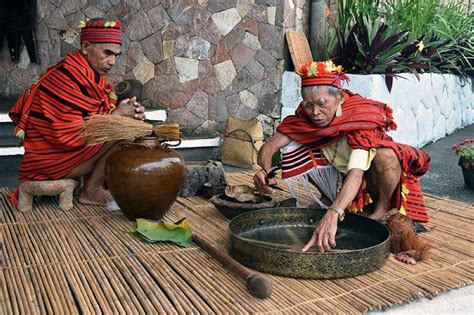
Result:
[
  {"x": 425, "y": 110},
  {"x": 201, "y": 60}
]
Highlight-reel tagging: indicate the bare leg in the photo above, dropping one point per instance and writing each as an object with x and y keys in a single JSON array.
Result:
[
  {"x": 382, "y": 179},
  {"x": 93, "y": 191}
]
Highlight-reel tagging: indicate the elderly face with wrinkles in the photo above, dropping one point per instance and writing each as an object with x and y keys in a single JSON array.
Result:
[{"x": 320, "y": 105}]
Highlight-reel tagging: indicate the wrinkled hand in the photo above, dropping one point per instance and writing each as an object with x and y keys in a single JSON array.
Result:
[
  {"x": 324, "y": 236},
  {"x": 129, "y": 107},
  {"x": 260, "y": 181}
]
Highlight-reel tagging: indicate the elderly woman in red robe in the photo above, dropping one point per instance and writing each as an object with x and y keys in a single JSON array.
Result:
[
  {"x": 50, "y": 114},
  {"x": 337, "y": 142}
]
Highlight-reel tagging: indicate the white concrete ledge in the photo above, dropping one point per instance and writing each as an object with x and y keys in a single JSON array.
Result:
[
  {"x": 12, "y": 151},
  {"x": 4, "y": 118},
  {"x": 198, "y": 143},
  {"x": 185, "y": 144},
  {"x": 158, "y": 114}
]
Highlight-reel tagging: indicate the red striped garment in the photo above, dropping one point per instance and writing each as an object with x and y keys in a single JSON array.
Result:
[
  {"x": 300, "y": 160},
  {"x": 365, "y": 122},
  {"x": 51, "y": 113}
]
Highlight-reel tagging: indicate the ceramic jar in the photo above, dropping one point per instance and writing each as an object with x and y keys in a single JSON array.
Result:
[{"x": 145, "y": 178}]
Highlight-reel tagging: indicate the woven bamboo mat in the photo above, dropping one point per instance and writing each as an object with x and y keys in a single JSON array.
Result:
[{"x": 83, "y": 261}]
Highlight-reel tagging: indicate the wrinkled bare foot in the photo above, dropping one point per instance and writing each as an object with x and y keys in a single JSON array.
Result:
[
  {"x": 99, "y": 197},
  {"x": 406, "y": 257}
]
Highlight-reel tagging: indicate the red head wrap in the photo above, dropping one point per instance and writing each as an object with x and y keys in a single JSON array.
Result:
[
  {"x": 322, "y": 73},
  {"x": 101, "y": 31}
]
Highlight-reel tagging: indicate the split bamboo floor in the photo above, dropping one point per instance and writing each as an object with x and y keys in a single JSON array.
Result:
[{"x": 83, "y": 261}]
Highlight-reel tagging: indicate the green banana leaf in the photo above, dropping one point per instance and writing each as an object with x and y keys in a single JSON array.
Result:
[{"x": 153, "y": 231}]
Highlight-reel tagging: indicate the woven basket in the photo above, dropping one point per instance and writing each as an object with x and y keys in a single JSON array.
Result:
[{"x": 242, "y": 140}]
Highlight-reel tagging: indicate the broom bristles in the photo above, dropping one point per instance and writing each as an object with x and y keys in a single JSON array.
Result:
[
  {"x": 104, "y": 128},
  {"x": 168, "y": 131}
]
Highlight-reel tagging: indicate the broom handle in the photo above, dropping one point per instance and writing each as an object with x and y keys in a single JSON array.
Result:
[{"x": 227, "y": 261}]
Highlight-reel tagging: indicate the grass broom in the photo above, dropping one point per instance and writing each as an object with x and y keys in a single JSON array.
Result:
[{"x": 104, "y": 128}]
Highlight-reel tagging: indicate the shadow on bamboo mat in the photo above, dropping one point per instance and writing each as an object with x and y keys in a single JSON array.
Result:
[{"x": 83, "y": 261}]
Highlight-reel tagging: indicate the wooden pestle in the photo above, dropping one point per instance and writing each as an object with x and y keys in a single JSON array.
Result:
[{"x": 256, "y": 284}]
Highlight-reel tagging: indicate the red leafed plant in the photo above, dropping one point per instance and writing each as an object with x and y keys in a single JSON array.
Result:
[{"x": 465, "y": 149}]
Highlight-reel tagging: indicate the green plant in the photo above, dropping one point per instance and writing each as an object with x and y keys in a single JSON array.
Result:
[
  {"x": 397, "y": 36},
  {"x": 448, "y": 25},
  {"x": 417, "y": 16},
  {"x": 372, "y": 47},
  {"x": 348, "y": 13},
  {"x": 465, "y": 149},
  {"x": 456, "y": 27}
]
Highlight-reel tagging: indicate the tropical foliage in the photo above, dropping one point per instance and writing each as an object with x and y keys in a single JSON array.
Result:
[{"x": 397, "y": 36}]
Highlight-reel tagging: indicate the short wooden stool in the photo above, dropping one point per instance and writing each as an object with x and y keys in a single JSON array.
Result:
[{"x": 62, "y": 187}]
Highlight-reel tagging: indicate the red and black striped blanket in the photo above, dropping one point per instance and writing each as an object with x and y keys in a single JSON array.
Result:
[
  {"x": 365, "y": 122},
  {"x": 50, "y": 114}
]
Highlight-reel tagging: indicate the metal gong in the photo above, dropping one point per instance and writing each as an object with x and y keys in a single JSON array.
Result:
[{"x": 270, "y": 241}]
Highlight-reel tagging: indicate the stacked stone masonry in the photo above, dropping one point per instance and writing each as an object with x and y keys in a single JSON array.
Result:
[{"x": 201, "y": 60}]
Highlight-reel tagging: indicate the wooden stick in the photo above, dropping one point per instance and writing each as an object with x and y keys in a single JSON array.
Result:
[{"x": 257, "y": 285}]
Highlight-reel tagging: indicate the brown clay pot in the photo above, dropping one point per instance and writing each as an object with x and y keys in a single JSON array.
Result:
[
  {"x": 145, "y": 178},
  {"x": 128, "y": 89}
]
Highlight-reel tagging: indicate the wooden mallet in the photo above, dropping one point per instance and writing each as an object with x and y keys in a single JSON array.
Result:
[{"x": 257, "y": 285}]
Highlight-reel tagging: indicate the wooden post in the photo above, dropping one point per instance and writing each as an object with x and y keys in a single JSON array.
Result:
[{"x": 317, "y": 28}]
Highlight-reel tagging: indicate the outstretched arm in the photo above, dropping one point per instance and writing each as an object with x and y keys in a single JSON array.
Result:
[
  {"x": 264, "y": 160},
  {"x": 324, "y": 236}
]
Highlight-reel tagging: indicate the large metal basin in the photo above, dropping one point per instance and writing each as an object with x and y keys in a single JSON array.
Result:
[{"x": 270, "y": 241}]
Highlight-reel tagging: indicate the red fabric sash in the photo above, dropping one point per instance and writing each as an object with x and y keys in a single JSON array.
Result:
[
  {"x": 365, "y": 121},
  {"x": 358, "y": 113},
  {"x": 51, "y": 113}
]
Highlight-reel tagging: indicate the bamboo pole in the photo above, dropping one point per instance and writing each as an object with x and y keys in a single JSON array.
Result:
[
  {"x": 5, "y": 296},
  {"x": 100, "y": 273},
  {"x": 154, "y": 300},
  {"x": 66, "y": 250},
  {"x": 178, "y": 288},
  {"x": 19, "y": 278},
  {"x": 45, "y": 279}
]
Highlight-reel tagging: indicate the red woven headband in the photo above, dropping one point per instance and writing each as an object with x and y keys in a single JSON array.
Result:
[
  {"x": 101, "y": 32},
  {"x": 322, "y": 73}
]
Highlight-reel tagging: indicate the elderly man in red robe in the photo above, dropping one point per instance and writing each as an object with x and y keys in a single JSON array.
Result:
[
  {"x": 50, "y": 114},
  {"x": 337, "y": 142}
]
